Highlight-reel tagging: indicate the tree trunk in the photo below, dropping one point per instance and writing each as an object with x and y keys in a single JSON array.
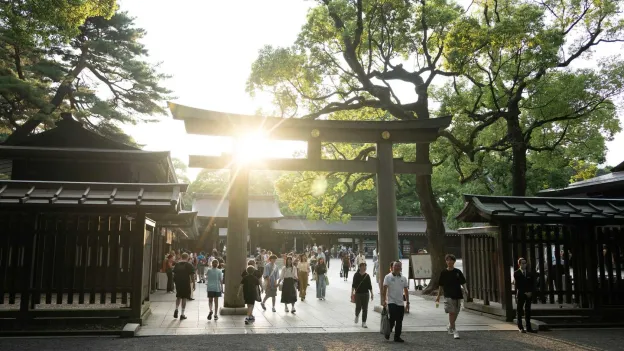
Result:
[
  {"x": 435, "y": 223},
  {"x": 519, "y": 156}
]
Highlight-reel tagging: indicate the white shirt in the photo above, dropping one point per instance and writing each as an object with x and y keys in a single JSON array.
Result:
[
  {"x": 321, "y": 255},
  {"x": 360, "y": 259},
  {"x": 395, "y": 288},
  {"x": 303, "y": 266},
  {"x": 288, "y": 272}
]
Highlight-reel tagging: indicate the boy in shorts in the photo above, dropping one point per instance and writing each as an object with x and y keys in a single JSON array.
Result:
[{"x": 452, "y": 282}]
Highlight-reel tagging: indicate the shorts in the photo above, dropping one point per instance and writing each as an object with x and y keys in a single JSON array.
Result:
[
  {"x": 452, "y": 305},
  {"x": 214, "y": 294}
]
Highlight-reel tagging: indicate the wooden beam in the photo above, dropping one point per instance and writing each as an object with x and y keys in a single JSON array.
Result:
[{"x": 349, "y": 166}]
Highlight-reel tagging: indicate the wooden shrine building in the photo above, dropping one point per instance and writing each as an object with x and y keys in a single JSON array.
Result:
[{"x": 81, "y": 221}]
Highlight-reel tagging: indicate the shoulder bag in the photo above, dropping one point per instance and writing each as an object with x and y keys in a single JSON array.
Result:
[{"x": 356, "y": 289}]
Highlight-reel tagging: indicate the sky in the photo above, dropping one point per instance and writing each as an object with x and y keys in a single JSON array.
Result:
[{"x": 208, "y": 47}]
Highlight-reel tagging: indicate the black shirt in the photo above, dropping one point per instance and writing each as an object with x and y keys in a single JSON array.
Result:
[
  {"x": 182, "y": 272},
  {"x": 362, "y": 283},
  {"x": 451, "y": 282},
  {"x": 321, "y": 269},
  {"x": 249, "y": 282}
]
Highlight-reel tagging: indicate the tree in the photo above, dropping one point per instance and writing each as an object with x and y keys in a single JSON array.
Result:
[
  {"x": 518, "y": 94},
  {"x": 96, "y": 68},
  {"x": 345, "y": 59}
]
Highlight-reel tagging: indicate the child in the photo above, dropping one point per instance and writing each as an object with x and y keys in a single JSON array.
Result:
[
  {"x": 452, "y": 281},
  {"x": 248, "y": 286}
]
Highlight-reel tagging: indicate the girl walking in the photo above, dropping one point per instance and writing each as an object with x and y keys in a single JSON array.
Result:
[
  {"x": 304, "y": 268},
  {"x": 360, "y": 293},
  {"x": 346, "y": 266},
  {"x": 271, "y": 277},
  {"x": 321, "y": 279},
  {"x": 214, "y": 286},
  {"x": 288, "y": 278}
]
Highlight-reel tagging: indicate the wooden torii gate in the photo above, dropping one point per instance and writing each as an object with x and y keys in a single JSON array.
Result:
[{"x": 314, "y": 132}]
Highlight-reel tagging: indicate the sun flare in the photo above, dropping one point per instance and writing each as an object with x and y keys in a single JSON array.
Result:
[{"x": 251, "y": 147}]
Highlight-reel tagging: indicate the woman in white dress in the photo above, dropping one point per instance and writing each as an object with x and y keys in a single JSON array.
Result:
[{"x": 288, "y": 279}]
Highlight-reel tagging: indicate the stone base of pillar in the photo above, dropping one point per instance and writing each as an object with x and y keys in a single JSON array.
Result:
[{"x": 233, "y": 311}]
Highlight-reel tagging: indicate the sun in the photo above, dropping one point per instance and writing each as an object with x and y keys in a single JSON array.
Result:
[{"x": 251, "y": 147}]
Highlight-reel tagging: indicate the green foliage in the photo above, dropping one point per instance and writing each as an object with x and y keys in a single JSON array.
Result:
[{"x": 74, "y": 55}]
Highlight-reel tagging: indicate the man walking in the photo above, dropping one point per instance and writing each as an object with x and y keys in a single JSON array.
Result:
[
  {"x": 394, "y": 288},
  {"x": 452, "y": 281},
  {"x": 524, "y": 286}
]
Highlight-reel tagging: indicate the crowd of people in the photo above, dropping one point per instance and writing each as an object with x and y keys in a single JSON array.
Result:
[{"x": 263, "y": 279}]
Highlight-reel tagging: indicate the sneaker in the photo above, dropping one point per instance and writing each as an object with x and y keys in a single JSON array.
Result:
[
  {"x": 175, "y": 314},
  {"x": 293, "y": 310},
  {"x": 182, "y": 317},
  {"x": 387, "y": 336},
  {"x": 398, "y": 339},
  {"x": 286, "y": 309},
  {"x": 455, "y": 334},
  {"x": 357, "y": 319},
  {"x": 216, "y": 317},
  {"x": 273, "y": 309},
  {"x": 246, "y": 321},
  {"x": 210, "y": 315},
  {"x": 521, "y": 330},
  {"x": 364, "y": 325},
  {"x": 263, "y": 306}
]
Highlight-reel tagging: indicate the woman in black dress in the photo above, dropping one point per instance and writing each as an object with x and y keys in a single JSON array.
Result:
[{"x": 288, "y": 278}]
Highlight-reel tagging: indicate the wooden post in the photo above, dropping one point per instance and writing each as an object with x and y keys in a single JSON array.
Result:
[
  {"x": 237, "y": 234},
  {"x": 138, "y": 240},
  {"x": 504, "y": 258},
  {"x": 386, "y": 210}
]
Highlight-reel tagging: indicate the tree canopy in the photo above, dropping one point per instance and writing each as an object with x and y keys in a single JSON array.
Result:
[{"x": 81, "y": 56}]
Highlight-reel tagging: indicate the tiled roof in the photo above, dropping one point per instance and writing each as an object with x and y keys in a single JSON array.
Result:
[
  {"x": 357, "y": 226},
  {"x": 541, "y": 209},
  {"x": 216, "y": 206},
  {"x": 150, "y": 198}
]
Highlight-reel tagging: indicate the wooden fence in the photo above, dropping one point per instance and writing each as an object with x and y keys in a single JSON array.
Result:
[
  {"x": 73, "y": 265},
  {"x": 575, "y": 265}
]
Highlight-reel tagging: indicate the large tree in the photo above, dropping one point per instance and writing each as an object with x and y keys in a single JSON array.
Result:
[
  {"x": 521, "y": 92},
  {"x": 349, "y": 56},
  {"x": 78, "y": 56}
]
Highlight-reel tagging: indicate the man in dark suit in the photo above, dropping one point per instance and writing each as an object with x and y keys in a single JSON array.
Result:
[{"x": 525, "y": 285}]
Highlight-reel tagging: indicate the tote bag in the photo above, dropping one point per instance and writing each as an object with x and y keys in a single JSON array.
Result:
[{"x": 384, "y": 328}]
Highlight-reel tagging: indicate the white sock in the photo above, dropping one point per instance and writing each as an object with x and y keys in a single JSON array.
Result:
[{"x": 183, "y": 311}]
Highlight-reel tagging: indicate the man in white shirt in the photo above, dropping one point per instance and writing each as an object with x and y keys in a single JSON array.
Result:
[
  {"x": 394, "y": 288},
  {"x": 360, "y": 259},
  {"x": 321, "y": 255}
]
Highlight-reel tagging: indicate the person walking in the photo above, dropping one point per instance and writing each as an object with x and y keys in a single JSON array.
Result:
[
  {"x": 182, "y": 274},
  {"x": 452, "y": 282},
  {"x": 288, "y": 282},
  {"x": 360, "y": 289},
  {"x": 524, "y": 283},
  {"x": 360, "y": 259},
  {"x": 214, "y": 287},
  {"x": 321, "y": 279},
  {"x": 346, "y": 266},
  {"x": 271, "y": 278},
  {"x": 202, "y": 264},
  {"x": 249, "y": 287},
  {"x": 394, "y": 288},
  {"x": 303, "y": 272},
  {"x": 193, "y": 261},
  {"x": 169, "y": 264}
]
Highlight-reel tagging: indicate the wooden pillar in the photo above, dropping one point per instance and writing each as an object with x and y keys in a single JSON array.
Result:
[
  {"x": 504, "y": 273},
  {"x": 138, "y": 248},
  {"x": 386, "y": 209},
  {"x": 237, "y": 234}
]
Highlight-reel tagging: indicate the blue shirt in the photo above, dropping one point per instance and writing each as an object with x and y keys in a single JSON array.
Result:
[{"x": 214, "y": 278}]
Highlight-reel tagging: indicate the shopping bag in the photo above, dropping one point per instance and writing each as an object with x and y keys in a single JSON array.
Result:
[
  {"x": 384, "y": 328},
  {"x": 326, "y": 280}
]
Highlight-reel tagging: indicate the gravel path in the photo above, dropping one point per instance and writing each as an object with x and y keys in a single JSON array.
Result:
[{"x": 568, "y": 340}]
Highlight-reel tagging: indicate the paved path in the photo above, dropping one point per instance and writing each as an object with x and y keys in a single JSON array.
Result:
[
  {"x": 569, "y": 340},
  {"x": 334, "y": 315}
]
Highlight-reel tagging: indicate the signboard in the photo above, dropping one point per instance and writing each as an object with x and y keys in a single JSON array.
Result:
[{"x": 420, "y": 266}]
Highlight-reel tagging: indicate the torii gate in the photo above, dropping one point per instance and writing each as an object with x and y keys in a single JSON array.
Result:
[{"x": 383, "y": 133}]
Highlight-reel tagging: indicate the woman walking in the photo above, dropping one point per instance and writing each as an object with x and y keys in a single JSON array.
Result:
[
  {"x": 360, "y": 293},
  {"x": 346, "y": 266},
  {"x": 169, "y": 263},
  {"x": 288, "y": 278},
  {"x": 304, "y": 268},
  {"x": 271, "y": 277},
  {"x": 321, "y": 279},
  {"x": 214, "y": 286}
]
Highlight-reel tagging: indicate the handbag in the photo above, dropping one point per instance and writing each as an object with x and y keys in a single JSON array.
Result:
[
  {"x": 384, "y": 327},
  {"x": 258, "y": 294},
  {"x": 356, "y": 289},
  {"x": 326, "y": 280}
]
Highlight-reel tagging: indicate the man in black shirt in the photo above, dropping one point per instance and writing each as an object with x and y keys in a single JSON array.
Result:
[
  {"x": 524, "y": 284},
  {"x": 452, "y": 281}
]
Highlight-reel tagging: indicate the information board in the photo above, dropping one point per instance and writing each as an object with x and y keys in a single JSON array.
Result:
[{"x": 420, "y": 265}]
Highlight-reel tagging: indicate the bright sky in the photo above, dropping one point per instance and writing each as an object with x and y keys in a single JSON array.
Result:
[{"x": 208, "y": 46}]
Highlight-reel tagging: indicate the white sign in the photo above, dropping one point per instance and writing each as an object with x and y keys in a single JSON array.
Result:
[{"x": 421, "y": 266}]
